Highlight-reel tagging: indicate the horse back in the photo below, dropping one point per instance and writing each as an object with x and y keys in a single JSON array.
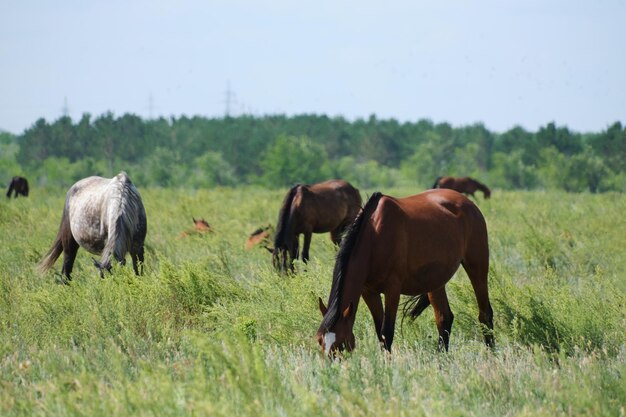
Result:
[
  {"x": 434, "y": 230},
  {"x": 325, "y": 206}
]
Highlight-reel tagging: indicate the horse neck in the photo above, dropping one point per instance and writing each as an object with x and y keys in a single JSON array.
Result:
[
  {"x": 351, "y": 268},
  {"x": 482, "y": 187}
]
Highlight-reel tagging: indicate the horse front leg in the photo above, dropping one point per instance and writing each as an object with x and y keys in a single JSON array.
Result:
[
  {"x": 137, "y": 258},
  {"x": 375, "y": 305},
  {"x": 392, "y": 299}
]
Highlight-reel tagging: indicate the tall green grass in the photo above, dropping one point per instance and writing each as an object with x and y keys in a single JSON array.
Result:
[{"x": 211, "y": 329}]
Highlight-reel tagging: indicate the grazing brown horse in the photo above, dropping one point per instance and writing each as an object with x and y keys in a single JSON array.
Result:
[
  {"x": 410, "y": 246},
  {"x": 261, "y": 236},
  {"x": 329, "y": 206},
  {"x": 465, "y": 185},
  {"x": 19, "y": 185},
  {"x": 200, "y": 226}
]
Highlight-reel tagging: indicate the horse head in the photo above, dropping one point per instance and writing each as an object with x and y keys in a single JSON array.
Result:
[
  {"x": 202, "y": 225},
  {"x": 102, "y": 266},
  {"x": 284, "y": 253},
  {"x": 281, "y": 259},
  {"x": 339, "y": 336}
]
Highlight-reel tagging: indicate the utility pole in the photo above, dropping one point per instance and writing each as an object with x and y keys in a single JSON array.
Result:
[
  {"x": 65, "y": 110},
  {"x": 229, "y": 98}
]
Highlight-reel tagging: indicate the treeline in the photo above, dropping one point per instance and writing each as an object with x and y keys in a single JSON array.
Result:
[{"x": 278, "y": 151}]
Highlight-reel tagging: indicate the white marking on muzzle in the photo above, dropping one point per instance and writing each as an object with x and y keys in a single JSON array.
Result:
[{"x": 329, "y": 339}]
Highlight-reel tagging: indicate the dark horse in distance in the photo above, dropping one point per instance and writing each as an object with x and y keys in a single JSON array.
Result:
[
  {"x": 19, "y": 185},
  {"x": 329, "y": 206},
  {"x": 465, "y": 185},
  {"x": 410, "y": 246},
  {"x": 104, "y": 216}
]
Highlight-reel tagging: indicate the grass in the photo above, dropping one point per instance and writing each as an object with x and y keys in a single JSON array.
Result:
[{"x": 210, "y": 329}]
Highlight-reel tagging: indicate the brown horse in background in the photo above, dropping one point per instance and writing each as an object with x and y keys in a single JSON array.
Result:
[
  {"x": 261, "y": 236},
  {"x": 410, "y": 246},
  {"x": 465, "y": 185},
  {"x": 200, "y": 226},
  {"x": 329, "y": 206},
  {"x": 19, "y": 185}
]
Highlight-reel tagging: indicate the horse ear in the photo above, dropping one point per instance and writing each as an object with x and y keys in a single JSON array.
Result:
[
  {"x": 348, "y": 311},
  {"x": 323, "y": 308}
]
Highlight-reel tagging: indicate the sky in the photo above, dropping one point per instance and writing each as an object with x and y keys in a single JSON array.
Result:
[{"x": 502, "y": 63}]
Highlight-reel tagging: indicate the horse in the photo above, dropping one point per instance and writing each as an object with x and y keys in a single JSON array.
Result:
[
  {"x": 261, "y": 236},
  {"x": 328, "y": 206},
  {"x": 19, "y": 185},
  {"x": 411, "y": 246},
  {"x": 199, "y": 226},
  {"x": 465, "y": 185},
  {"x": 104, "y": 216}
]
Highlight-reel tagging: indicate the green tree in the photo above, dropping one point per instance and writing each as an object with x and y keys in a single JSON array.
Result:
[
  {"x": 586, "y": 172},
  {"x": 210, "y": 170},
  {"x": 8, "y": 162},
  {"x": 510, "y": 172},
  {"x": 432, "y": 158},
  {"x": 366, "y": 174},
  {"x": 294, "y": 159}
]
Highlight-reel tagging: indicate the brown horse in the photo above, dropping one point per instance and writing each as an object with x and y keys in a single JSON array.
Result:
[
  {"x": 19, "y": 185},
  {"x": 410, "y": 246},
  {"x": 465, "y": 185},
  {"x": 261, "y": 236},
  {"x": 329, "y": 206},
  {"x": 200, "y": 226}
]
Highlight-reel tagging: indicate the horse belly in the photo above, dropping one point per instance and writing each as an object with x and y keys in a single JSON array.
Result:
[
  {"x": 88, "y": 235},
  {"x": 429, "y": 277}
]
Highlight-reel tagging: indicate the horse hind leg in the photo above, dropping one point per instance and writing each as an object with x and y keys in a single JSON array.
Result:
[
  {"x": 70, "y": 249},
  {"x": 443, "y": 316},
  {"x": 478, "y": 275},
  {"x": 305, "y": 246}
]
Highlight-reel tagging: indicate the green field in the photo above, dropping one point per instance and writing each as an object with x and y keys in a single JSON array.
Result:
[{"x": 211, "y": 329}]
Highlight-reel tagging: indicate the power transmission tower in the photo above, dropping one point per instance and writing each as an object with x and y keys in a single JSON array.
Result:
[
  {"x": 229, "y": 98},
  {"x": 65, "y": 110}
]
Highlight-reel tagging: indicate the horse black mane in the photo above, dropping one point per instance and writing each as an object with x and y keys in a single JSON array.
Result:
[
  {"x": 283, "y": 218},
  {"x": 347, "y": 245}
]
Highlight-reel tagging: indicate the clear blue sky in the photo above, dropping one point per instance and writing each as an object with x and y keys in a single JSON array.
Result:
[{"x": 499, "y": 62}]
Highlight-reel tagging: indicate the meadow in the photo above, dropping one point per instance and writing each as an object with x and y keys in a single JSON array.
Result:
[{"x": 211, "y": 329}]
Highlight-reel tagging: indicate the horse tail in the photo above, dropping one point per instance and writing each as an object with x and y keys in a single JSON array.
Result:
[
  {"x": 416, "y": 305},
  {"x": 63, "y": 235},
  {"x": 284, "y": 223},
  {"x": 482, "y": 187},
  {"x": 348, "y": 243},
  {"x": 124, "y": 219},
  {"x": 436, "y": 184}
]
